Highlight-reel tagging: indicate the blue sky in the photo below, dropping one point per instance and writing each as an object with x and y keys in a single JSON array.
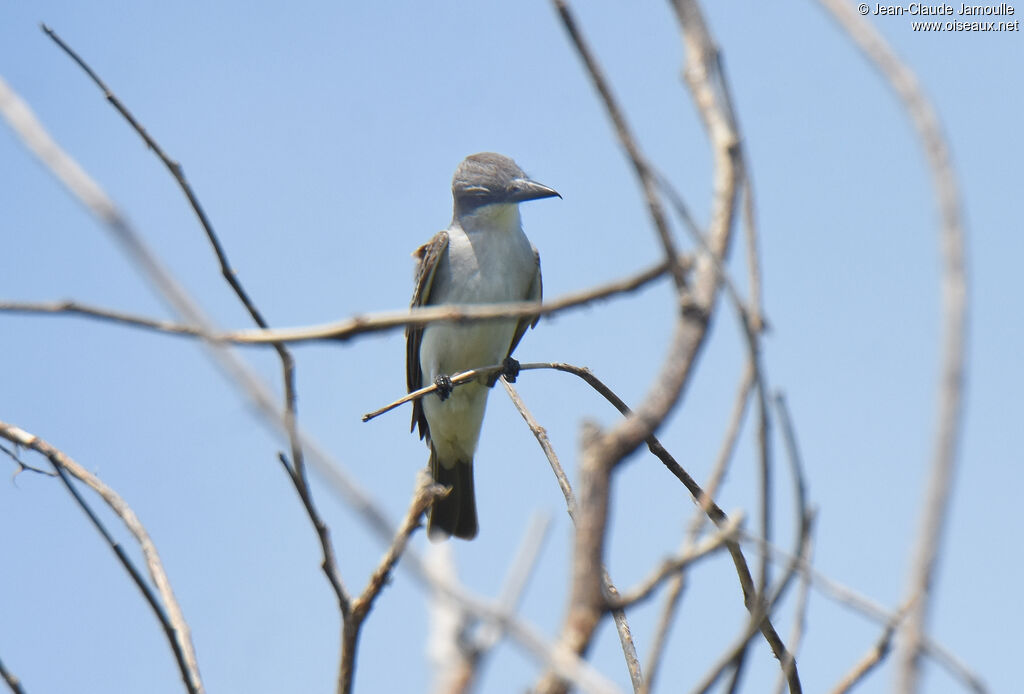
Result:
[{"x": 321, "y": 140}]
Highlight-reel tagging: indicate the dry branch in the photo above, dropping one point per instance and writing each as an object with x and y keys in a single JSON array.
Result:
[
  {"x": 357, "y": 325},
  {"x": 875, "y": 655},
  {"x": 700, "y": 517},
  {"x": 602, "y": 451},
  {"x": 165, "y": 607},
  {"x": 675, "y": 565},
  {"x": 612, "y": 593},
  {"x": 426, "y": 492},
  {"x": 859, "y": 603},
  {"x": 462, "y": 667},
  {"x": 949, "y": 420},
  {"x": 12, "y": 681}
]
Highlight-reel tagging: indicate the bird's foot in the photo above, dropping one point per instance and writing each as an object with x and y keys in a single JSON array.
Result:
[
  {"x": 509, "y": 369},
  {"x": 444, "y": 386}
]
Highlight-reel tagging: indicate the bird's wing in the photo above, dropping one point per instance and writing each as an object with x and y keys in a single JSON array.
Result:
[
  {"x": 428, "y": 257},
  {"x": 535, "y": 293}
]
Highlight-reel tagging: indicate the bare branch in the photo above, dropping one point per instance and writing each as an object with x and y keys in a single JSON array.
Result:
[
  {"x": 636, "y": 675},
  {"x": 800, "y": 614},
  {"x": 458, "y": 379},
  {"x": 804, "y": 520},
  {"x": 470, "y": 652},
  {"x": 612, "y": 593},
  {"x": 640, "y": 166},
  {"x": 602, "y": 451},
  {"x": 753, "y": 306},
  {"x": 542, "y": 438},
  {"x": 859, "y": 603},
  {"x": 552, "y": 655},
  {"x": 370, "y": 323},
  {"x": 949, "y": 420},
  {"x": 673, "y": 566},
  {"x": 725, "y": 454},
  {"x": 22, "y": 465},
  {"x": 426, "y": 492},
  {"x": 358, "y": 325},
  {"x": 84, "y": 189},
  {"x": 165, "y": 607},
  {"x": 875, "y": 655},
  {"x": 11, "y": 680},
  {"x": 519, "y": 572},
  {"x": 175, "y": 170},
  {"x": 297, "y": 470},
  {"x": 710, "y": 507},
  {"x": 735, "y": 656},
  {"x": 76, "y": 308},
  {"x": 329, "y": 564}
]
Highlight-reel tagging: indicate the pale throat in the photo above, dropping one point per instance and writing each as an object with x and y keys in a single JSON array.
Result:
[{"x": 498, "y": 216}]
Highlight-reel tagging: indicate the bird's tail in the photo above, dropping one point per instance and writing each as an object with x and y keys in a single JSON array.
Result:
[{"x": 454, "y": 514}]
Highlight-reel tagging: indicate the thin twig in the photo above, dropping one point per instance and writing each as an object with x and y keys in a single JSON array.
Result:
[
  {"x": 458, "y": 379},
  {"x": 671, "y": 567},
  {"x": 323, "y": 535},
  {"x": 640, "y": 166},
  {"x": 713, "y": 511},
  {"x": 750, "y": 324},
  {"x": 11, "y": 680},
  {"x": 541, "y": 434},
  {"x": 804, "y": 520},
  {"x": 754, "y": 307},
  {"x": 675, "y": 591},
  {"x": 22, "y": 465},
  {"x": 175, "y": 170},
  {"x": 952, "y": 375},
  {"x": 165, "y": 607},
  {"x": 735, "y": 656},
  {"x": 611, "y": 592},
  {"x": 872, "y": 659},
  {"x": 800, "y": 612}
]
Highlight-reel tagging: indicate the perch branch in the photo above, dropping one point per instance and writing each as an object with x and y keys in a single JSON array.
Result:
[{"x": 357, "y": 325}]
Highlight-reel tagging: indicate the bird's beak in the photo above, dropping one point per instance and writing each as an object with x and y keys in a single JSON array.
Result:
[{"x": 523, "y": 189}]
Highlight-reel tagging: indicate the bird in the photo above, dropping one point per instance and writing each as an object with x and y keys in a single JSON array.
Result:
[{"x": 482, "y": 257}]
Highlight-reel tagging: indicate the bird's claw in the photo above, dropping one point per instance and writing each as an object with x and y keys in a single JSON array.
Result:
[
  {"x": 444, "y": 386},
  {"x": 510, "y": 370}
]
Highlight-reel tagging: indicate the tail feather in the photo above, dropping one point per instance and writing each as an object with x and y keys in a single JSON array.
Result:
[{"x": 454, "y": 514}]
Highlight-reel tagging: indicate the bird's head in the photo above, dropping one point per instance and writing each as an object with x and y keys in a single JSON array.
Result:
[{"x": 493, "y": 179}]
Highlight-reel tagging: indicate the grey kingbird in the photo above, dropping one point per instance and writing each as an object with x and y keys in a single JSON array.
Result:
[{"x": 483, "y": 257}]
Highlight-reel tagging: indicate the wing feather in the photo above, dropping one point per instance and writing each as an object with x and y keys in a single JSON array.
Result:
[
  {"x": 428, "y": 257},
  {"x": 535, "y": 293}
]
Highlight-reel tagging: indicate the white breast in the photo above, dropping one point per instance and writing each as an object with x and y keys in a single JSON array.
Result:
[{"x": 482, "y": 266}]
